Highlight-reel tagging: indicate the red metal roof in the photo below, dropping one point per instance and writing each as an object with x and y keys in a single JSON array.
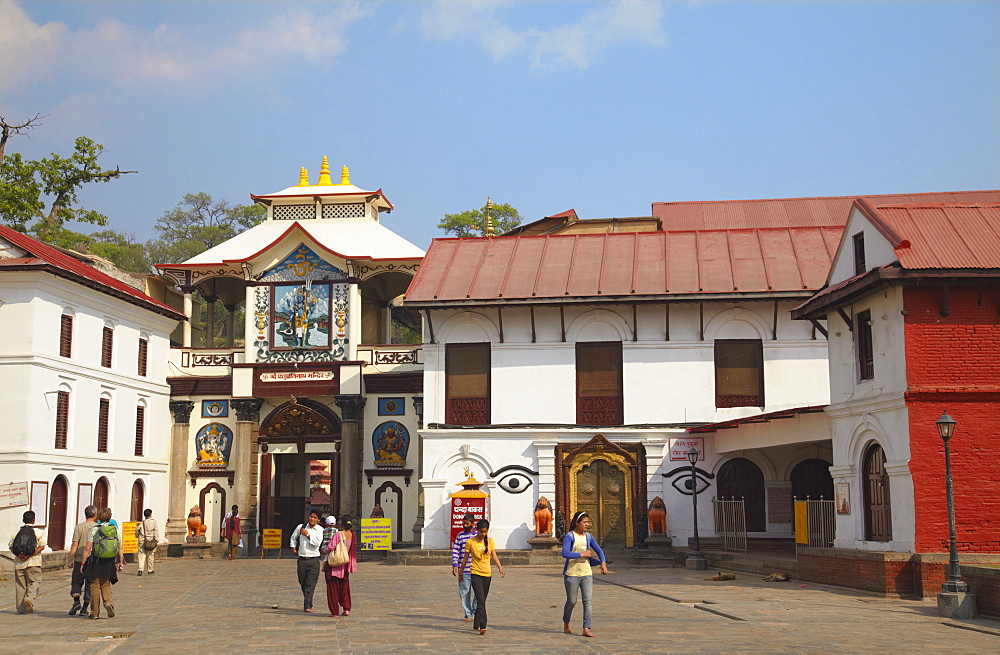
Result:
[
  {"x": 757, "y": 418},
  {"x": 790, "y": 212},
  {"x": 952, "y": 235},
  {"x": 625, "y": 264},
  {"x": 46, "y": 255}
]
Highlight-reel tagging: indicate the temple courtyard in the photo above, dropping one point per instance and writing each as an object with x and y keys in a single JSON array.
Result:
[{"x": 214, "y": 606}]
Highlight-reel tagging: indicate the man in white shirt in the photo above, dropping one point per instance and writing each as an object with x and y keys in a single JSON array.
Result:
[
  {"x": 147, "y": 532},
  {"x": 306, "y": 541},
  {"x": 28, "y": 567}
]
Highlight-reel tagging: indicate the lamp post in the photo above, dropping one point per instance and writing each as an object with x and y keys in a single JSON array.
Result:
[
  {"x": 696, "y": 560},
  {"x": 954, "y": 601}
]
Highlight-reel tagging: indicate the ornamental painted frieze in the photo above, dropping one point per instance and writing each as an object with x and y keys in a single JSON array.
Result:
[
  {"x": 301, "y": 322},
  {"x": 302, "y": 265}
]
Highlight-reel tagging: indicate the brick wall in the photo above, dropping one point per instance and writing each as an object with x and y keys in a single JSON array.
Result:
[
  {"x": 953, "y": 365},
  {"x": 985, "y": 584}
]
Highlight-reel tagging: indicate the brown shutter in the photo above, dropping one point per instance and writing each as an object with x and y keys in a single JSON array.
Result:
[
  {"x": 467, "y": 384},
  {"x": 143, "y": 353},
  {"x": 739, "y": 373},
  {"x": 102, "y": 426},
  {"x": 107, "y": 345},
  {"x": 866, "y": 355},
  {"x": 62, "y": 418},
  {"x": 599, "y": 383},
  {"x": 66, "y": 336},
  {"x": 140, "y": 429}
]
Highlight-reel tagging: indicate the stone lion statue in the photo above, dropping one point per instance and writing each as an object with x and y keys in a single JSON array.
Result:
[
  {"x": 195, "y": 526},
  {"x": 657, "y": 516},
  {"x": 543, "y": 518}
]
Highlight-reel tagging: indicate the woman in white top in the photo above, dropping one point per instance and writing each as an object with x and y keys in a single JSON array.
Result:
[{"x": 580, "y": 549}]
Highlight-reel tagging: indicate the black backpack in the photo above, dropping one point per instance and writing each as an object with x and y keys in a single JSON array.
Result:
[{"x": 25, "y": 544}]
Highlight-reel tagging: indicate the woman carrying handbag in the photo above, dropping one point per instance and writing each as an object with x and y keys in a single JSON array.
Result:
[{"x": 341, "y": 560}]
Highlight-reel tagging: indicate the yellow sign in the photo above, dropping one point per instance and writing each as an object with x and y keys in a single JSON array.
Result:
[
  {"x": 130, "y": 543},
  {"x": 376, "y": 534},
  {"x": 272, "y": 539},
  {"x": 801, "y": 523}
]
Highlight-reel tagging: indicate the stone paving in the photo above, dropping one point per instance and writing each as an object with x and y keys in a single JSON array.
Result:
[{"x": 214, "y": 606}]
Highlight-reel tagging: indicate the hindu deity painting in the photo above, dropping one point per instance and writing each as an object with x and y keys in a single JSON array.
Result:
[
  {"x": 301, "y": 315},
  {"x": 214, "y": 443},
  {"x": 390, "y": 441}
]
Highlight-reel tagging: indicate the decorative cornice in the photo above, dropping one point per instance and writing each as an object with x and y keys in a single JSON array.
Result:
[
  {"x": 350, "y": 406},
  {"x": 181, "y": 409},
  {"x": 218, "y": 473},
  {"x": 247, "y": 409}
]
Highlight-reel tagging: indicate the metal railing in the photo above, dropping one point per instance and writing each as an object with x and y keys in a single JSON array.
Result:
[
  {"x": 731, "y": 523},
  {"x": 821, "y": 522}
]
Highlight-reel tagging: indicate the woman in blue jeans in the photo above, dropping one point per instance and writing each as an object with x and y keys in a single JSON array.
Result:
[{"x": 579, "y": 546}]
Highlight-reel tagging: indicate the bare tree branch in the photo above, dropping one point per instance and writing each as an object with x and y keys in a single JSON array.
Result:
[{"x": 8, "y": 130}]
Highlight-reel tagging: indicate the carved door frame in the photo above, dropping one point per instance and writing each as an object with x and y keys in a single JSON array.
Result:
[{"x": 628, "y": 457}]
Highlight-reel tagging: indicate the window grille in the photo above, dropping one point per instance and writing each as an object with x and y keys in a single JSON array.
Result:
[
  {"x": 66, "y": 336},
  {"x": 107, "y": 347},
  {"x": 143, "y": 357},
  {"x": 344, "y": 210},
  {"x": 140, "y": 430},
  {"x": 102, "y": 425},
  {"x": 294, "y": 212},
  {"x": 62, "y": 419}
]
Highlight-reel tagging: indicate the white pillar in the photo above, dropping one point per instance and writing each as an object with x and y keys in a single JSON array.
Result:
[{"x": 188, "y": 309}]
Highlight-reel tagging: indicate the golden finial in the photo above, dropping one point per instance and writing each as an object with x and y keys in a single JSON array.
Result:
[
  {"x": 303, "y": 177},
  {"x": 324, "y": 173},
  {"x": 345, "y": 175},
  {"x": 468, "y": 473},
  {"x": 489, "y": 217}
]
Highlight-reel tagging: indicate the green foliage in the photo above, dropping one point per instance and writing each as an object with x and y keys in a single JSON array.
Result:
[
  {"x": 41, "y": 195},
  {"x": 198, "y": 223},
  {"x": 472, "y": 223}
]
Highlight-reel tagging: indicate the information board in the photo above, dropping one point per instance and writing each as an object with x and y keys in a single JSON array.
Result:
[
  {"x": 462, "y": 506},
  {"x": 272, "y": 539},
  {"x": 130, "y": 543},
  {"x": 14, "y": 494},
  {"x": 376, "y": 534}
]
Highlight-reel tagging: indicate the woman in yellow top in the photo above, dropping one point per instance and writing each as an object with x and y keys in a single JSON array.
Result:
[{"x": 481, "y": 549}]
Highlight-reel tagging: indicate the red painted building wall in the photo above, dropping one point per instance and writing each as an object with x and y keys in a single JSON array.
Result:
[{"x": 953, "y": 365}]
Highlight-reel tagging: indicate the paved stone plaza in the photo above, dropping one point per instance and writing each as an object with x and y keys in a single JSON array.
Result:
[{"x": 214, "y": 606}]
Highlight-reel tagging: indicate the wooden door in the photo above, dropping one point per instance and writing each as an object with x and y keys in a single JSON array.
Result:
[
  {"x": 58, "y": 504},
  {"x": 135, "y": 512},
  {"x": 600, "y": 491},
  {"x": 741, "y": 479},
  {"x": 878, "y": 519},
  {"x": 102, "y": 491}
]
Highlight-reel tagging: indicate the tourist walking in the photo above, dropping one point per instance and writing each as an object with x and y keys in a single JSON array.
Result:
[
  {"x": 338, "y": 578},
  {"x": 580, "y": 549},
  {"x": 329, "y": 528},
  {"x": 148, "y": 535},
  {"x": 464, "y": 575},
  {"x": 102, "y": 560},
  {"x": 480, "y": 549},
  {"x": 232, "y": 532},
  {"x": 78, "y": 585},
  {"x": 307, "y": 538},
  {"x": 26, "y": 545}
]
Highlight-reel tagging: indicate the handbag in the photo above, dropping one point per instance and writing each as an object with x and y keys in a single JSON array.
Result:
[
  {"x": 340, "y": 555},
  {"x": 147, "y": 544}
]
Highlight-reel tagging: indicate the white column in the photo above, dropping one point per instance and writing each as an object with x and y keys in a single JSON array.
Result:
[{"x": 188, "y": 309}]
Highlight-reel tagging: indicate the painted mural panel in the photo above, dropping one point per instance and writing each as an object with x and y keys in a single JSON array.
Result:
[
  {"x": 214, "y": 442},
  {"x": 301, "y": 315}
]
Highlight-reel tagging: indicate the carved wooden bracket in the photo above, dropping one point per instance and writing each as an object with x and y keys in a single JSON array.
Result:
[
  {"x": 219, "y": 473},
  {"x": 389, "y": 473}
]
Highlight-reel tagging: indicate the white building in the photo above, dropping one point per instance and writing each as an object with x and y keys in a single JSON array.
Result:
[{"x": 84, "y": 358}]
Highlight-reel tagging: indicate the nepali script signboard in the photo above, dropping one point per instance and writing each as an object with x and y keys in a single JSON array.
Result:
[
  {"x": 376, "y": 534},
  {"x": 14, "y": 494},
  {"x": 130, "y": 543},
  {"x": 271, "y": 540}
]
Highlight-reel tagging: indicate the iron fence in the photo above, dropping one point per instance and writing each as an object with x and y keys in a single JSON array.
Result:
[{"x": 731, "y": 523}]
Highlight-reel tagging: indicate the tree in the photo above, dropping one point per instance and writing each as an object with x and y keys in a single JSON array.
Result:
[
  {"x": 472, "y": 223},
  {"x": 119, "y": 248},
  {"x": 198, "y": 223},
  {"x": 25, "y": 185}
]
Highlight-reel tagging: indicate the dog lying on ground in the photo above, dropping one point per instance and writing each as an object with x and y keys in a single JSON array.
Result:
[
  {"x": 777, "y": 576},
  {"x": 722, "y": 576}
]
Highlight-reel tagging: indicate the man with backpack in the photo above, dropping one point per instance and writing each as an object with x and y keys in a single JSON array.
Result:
[
  {"x": 102, "y": 560},
  {"x": 78, "y": 586},
  {"x": 147, "y": 533},
  {"x": 26, "y": 546}
]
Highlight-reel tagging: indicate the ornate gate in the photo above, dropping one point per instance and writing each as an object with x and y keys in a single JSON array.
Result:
[{"x": 600, "y": 491}]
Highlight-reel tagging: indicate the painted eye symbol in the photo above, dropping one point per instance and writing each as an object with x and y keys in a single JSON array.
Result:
[
  {"x": 683, "y": 484},
  {"x": 514, "y": 483}
]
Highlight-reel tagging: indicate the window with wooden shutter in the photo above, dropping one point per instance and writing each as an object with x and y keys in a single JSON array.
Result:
[
  {"x": 599, "y": 383},
  {"x": 860, "y": 266},
  {"x": 107, "y": 346},
  {"x": 143, "y": 354},
  {"x": 739, "y": 373},
  {"x": 467, "y": 383},
  {"x": 66, "y": 336},
  {"x": 62, "y": 418},
  {"x": 102, "y": 426},
  {"x": 140, "y": 430},
  {"x": 866, "y": 354}
]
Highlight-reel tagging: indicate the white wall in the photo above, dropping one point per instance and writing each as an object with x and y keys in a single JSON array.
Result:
[{"x": 878, "y": 250}]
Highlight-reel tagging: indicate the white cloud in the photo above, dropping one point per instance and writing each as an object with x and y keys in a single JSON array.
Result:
[
  {"x": 573, "y": 44},
  {"x": 28, "y": 50}
]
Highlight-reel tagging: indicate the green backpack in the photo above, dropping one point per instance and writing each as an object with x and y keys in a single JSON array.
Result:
[{"x": 106, "y": 542}]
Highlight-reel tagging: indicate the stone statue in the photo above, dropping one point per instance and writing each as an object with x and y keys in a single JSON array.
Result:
[
  {"x": 657, "y": 516},
  {"x": 560, "y": 525},
  {"x": 195, "y": 526},
  {"x": 377, "y": 512},
  {"x": 543, "y": 518}
]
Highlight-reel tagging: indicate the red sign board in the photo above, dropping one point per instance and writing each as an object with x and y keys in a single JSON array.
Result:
[
  {"x": 462, "y": 506},
  {"x": 304, "y": 380},
  {"x": 679, "y": 448}
]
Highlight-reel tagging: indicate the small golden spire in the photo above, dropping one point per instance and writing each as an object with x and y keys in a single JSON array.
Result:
[
  {"x": 303, "y": 177},
  {"x": 489, "y": 217},
  {"x": 324, "y": 174},
  {"x": 345, "y": 175}
]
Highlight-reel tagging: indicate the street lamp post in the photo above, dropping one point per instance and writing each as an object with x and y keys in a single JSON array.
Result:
[
  {"x": 954, "y": 600},
  {"x": 696, "y": 560}
]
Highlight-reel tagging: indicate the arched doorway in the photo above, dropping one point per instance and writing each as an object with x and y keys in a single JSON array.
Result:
[
  {"x": 213, "y": 509},
  {"x": 600, "y": 491},
  {"x": 58, "y": 504},
  {"x": 390, "y": 498},
  {"x": 102, "y": 493},
  {"x": 811, "y": 479},
  {"x": 138, "y": 494},
  {"x": 878, "y": 518},
  {"x": 740, "y": 478}
]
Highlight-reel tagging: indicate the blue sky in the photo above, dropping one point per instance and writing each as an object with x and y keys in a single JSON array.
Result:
[{"x": 605, "y": 107}]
